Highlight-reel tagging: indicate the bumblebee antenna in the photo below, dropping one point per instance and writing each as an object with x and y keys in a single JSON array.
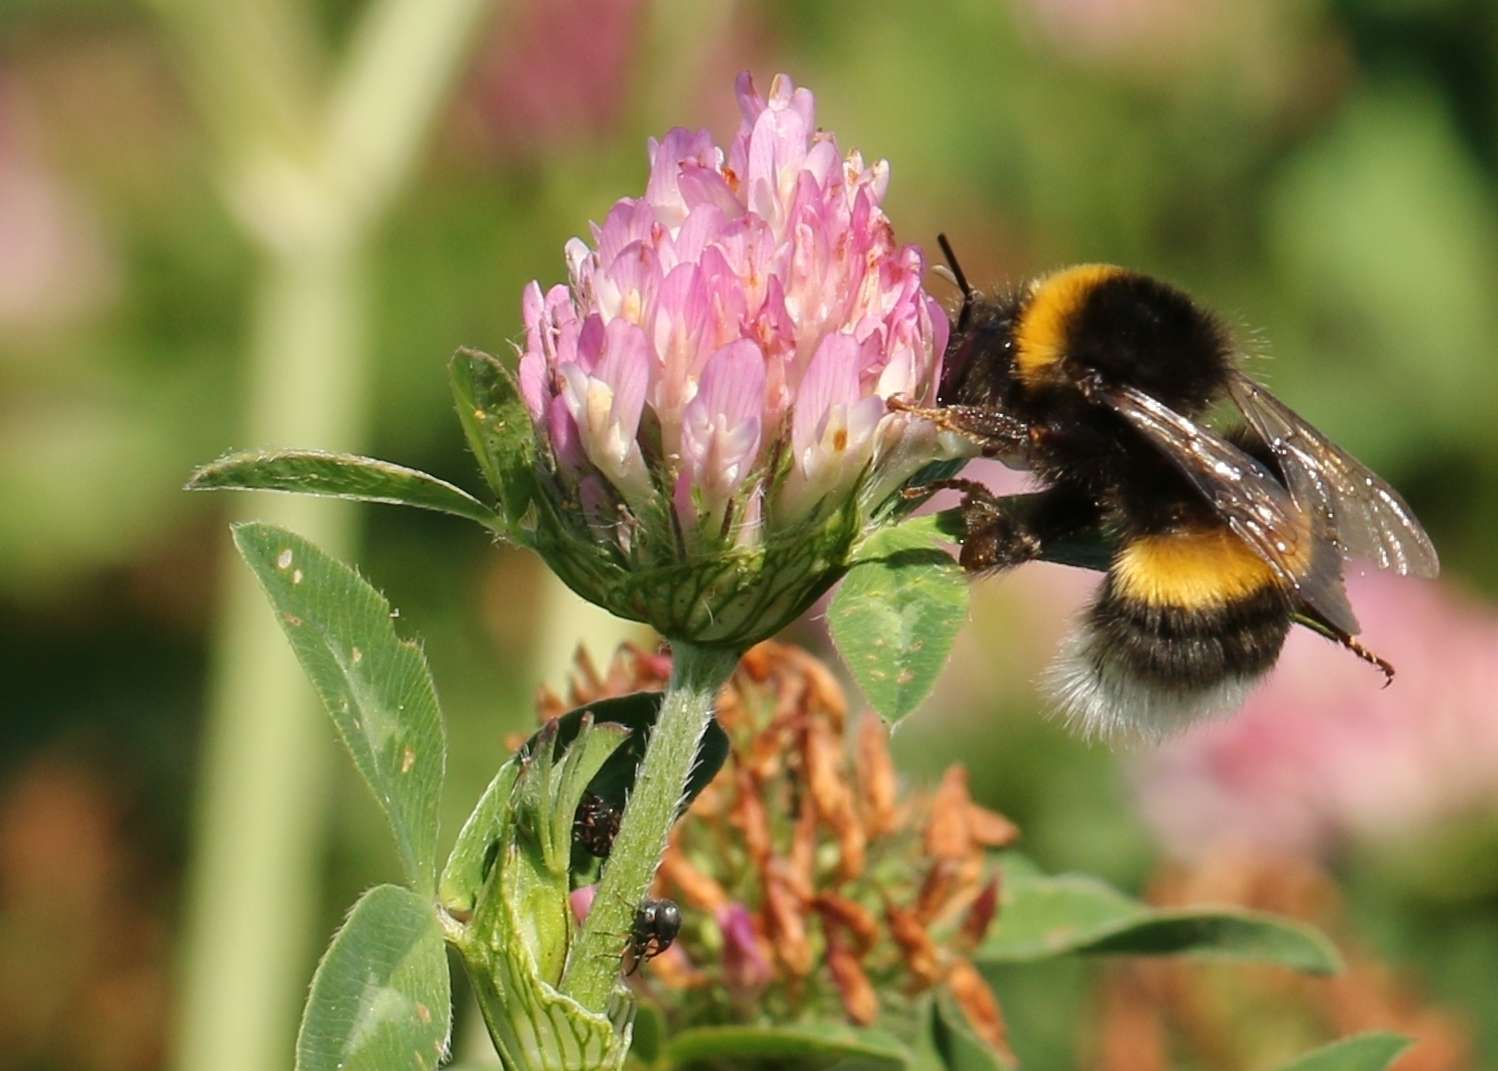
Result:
[{"x": 968, "y": 293}]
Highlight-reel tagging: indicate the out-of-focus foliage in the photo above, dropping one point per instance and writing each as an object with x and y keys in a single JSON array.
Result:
[{"x": 1325, "y": 173}]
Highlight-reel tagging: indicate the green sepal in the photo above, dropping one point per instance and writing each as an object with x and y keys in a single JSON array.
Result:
[
  {"x": 473, "y": 853},
  {"x": 347, "y": 476},
  {"x": 525, "y": 896},
  {"x": 498, "y": 428},
  {"x": 515, "y": 943}
]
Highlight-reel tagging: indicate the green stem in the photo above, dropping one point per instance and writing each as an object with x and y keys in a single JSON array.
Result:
[
  {"x": 696, "y": 676},
  {"x": 308, "y": 180},
  {"x": 252, "y": 896}
]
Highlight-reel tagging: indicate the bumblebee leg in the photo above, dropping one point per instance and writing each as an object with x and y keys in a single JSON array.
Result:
[
  {"x": 992, "y": 540},
  {"x": 1308, "y": 615},
  {"x": 995, "y": 430},
  {"x": 1368, "y": 656},
  {"x": 970, "y": 488},
  {"x": 1000, "y": 533}
]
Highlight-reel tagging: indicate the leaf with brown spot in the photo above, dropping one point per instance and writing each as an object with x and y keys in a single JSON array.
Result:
[
  {"x": 383, "y": 703},
  {"x": 896, "y": 616},
  {"x": 381, "y": 991}
]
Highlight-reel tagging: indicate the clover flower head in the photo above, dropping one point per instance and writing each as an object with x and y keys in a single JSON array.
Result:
[{"x": 711, "y": 381}]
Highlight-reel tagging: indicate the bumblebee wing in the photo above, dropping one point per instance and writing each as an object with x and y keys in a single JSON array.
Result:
[
  {"x": 1255, "y": 506},
  {"x": 1365, "y": 517}
]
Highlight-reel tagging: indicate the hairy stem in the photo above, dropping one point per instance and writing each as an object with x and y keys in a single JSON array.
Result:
[{"x": 696, "y": 675}]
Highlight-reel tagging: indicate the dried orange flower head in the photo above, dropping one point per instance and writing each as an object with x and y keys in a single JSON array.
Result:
[{"x": 811, "y": 884}]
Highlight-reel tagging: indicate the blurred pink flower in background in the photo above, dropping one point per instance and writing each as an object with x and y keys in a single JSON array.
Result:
[
  {"x": 531, "y": 98},
  {"x": 54, "y": 266},
  {"x": 1321, "y": 752},
  {"x": 752, "y": 305},
  {"x": 747, "y": 971},
  {"x": 1104, "y": 27}
]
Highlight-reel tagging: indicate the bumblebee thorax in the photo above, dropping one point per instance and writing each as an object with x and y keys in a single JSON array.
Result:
[{"x": 1052, "y": 305}]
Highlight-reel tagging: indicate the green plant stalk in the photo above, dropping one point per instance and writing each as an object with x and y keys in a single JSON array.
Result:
[
  {"x": 252, "y": 895},
  {"x": 697, "y": 673},
  {"x": 308, "y": 180}
]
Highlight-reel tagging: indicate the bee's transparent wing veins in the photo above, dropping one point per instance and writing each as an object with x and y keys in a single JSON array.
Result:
[
  {"x": 1368, "y": 519},
  {"x": 1246, "y": 495}
]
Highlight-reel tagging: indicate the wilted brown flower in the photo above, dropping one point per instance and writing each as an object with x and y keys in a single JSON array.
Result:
[{"x": 809, "y": 885}]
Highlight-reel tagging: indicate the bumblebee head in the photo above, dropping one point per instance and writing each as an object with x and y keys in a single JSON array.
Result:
[{"x": 978, "y": 367}]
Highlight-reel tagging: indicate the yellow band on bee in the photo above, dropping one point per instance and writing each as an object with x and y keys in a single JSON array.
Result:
[
  {"x": 1040, "y": 339},
  {"x": 1193, "y": 569}
]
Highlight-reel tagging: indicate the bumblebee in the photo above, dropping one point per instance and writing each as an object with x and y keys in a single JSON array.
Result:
[{"x": 1100, "y": 380}]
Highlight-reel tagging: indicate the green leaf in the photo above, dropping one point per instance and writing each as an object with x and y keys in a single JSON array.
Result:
[
  {"x": 376, "y": 687},
  {"x": 381, "y": 996},
  {"x": 648, "y": 1036},
  {"x": 959, "y": 1048},
  {"x": 1040, "y": 917},
  {"x": 315, "y": 472},
  {"x": 1363, "y": 1052},
  {"x": 897, "y": 614},
  {"x": 498, "y": 428},
  {"x": 830, "y": 1046}
]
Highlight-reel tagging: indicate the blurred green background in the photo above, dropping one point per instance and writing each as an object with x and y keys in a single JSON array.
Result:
[{"x": 1324, "y": 172}]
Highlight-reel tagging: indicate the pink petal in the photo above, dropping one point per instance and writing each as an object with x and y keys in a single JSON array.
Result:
[
  {"x": 561, "y": 429},
  {"x": 750, "y": 102},
  {"x": 533, "y": 376},
  {"x": 733, "y": 383},
  {"x": 679, "y": 148},
  {"x": 831, "y": 379},
  {"x": 590, "y": 343},
  {"x": 699, "y": 228},
  {"x": 702, "y": 186},
  {"x": 530, "y": 306},
  {"x": 626, "y": 368}
]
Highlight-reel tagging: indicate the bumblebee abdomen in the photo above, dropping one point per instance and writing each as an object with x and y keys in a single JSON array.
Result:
[
  {"x": 1188, "y": 648},
  {"x": 1184, "y": 625},
  {"x": 1134, "y": 329}
]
